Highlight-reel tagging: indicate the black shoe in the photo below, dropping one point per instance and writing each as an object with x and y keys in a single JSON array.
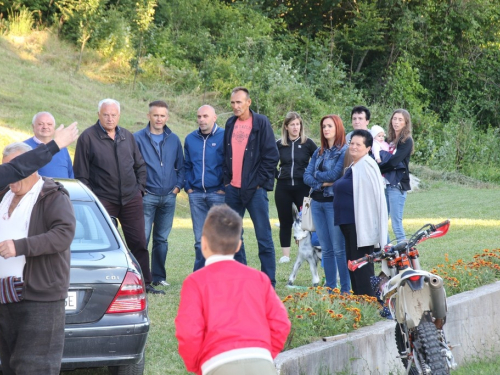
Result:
[
  {"x": 160, "y": 283},
  {"x": 152, "y": 290}
]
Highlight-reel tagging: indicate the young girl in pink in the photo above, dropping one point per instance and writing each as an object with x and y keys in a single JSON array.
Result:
[{"x": 379, "y": 142}]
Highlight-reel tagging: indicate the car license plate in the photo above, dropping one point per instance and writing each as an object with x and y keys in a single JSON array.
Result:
[{"x": 71, "y": 301}]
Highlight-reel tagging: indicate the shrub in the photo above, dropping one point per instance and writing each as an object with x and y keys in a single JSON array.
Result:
[{"x": 20, "y": 22}]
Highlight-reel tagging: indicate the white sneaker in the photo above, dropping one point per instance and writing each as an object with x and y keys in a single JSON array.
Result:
[{"x": 284, "y": 259}]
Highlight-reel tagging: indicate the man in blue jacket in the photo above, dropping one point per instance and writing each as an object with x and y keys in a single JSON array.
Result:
[
  {"x": 44, "y": 129},
  {"x": 29, "y": 162},
  {"x": 162, "y": 152},
  {"x": 204, "y": 157},
  {"x": 251, "y": 157}
]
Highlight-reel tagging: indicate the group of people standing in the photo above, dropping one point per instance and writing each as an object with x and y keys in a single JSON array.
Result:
[
  {"x": 352, "y": 192},
  {"x": 137, "y": 178}
]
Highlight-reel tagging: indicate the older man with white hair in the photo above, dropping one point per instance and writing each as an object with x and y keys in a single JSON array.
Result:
[
  {"x": 109, "y": 162},
  {"x": 37, "y": 226},
  {"x": 44, "y": 129}
]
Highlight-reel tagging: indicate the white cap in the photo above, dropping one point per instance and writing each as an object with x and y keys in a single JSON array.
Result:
[{"x": 376, "y": 130}]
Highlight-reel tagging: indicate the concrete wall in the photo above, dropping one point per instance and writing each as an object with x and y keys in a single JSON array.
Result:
[{"x": 473, "y": 322}]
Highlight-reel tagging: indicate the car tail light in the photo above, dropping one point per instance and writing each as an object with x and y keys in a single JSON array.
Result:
[{"x": 131, "y": 296}]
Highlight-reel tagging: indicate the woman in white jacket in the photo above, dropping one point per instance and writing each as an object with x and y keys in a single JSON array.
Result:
[{"x": 360, "y": 208}]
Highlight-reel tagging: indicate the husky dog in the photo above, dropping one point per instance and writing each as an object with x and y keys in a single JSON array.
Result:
[{"x": 307, "y": 252}]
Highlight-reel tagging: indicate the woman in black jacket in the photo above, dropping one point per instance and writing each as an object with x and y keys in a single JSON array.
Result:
[
  {"x": 401, "y": 147},
  {"x": 295, "y": 150}
]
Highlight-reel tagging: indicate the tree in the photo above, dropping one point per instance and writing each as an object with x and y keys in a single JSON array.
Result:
[
  {"x": 145, "y": 11},
  {"x": 364, "y": 32},
  {"x": 87, "y": 12}
]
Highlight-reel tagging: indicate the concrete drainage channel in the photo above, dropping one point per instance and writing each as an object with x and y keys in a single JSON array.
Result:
[{"x": 473, "y": 322}]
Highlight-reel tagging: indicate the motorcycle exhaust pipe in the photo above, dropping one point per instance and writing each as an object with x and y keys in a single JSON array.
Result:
[{"x": 438, "y": 297}]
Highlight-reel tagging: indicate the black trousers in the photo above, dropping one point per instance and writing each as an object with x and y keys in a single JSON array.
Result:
[
  {"x": 31, "y": 337},
  {"x": 284, "y": 196},
  {"x": 131, "y": 216},
  {"x": 360, "y": 279}
]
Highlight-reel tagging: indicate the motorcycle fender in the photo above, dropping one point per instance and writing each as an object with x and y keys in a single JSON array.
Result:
[{"x": 411, "y": 304}]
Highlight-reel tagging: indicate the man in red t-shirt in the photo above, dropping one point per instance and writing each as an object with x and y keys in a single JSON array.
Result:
[{"x": 251, "y": 157}]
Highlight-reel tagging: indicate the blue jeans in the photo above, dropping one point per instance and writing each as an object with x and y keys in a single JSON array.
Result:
[
  {"x": 258, "y": 208},
  {"x": 159, "y": 210},
  {"x": 332, "y": 244},
  {"x": 396, "y": 199},
  {"x": 200, "y": 203}
]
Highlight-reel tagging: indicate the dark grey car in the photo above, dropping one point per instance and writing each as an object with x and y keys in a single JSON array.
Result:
[{"x": 106, "y": 310}]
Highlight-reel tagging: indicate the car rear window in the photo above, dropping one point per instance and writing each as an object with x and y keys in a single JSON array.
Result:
[{"x": 92, "y": 230}]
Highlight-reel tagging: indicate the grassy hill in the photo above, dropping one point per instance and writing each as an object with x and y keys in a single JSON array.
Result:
[{"x": 37, "y": 73}]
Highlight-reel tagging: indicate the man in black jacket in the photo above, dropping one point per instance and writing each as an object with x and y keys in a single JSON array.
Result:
[
  {"x": 108, "y": 161},
  {"x": 251, "y": 157}
]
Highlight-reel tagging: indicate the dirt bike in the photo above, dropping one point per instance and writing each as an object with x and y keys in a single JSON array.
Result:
[{"x": 416, "y": 299}]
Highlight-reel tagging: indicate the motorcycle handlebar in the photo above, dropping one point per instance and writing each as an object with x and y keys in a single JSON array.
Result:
[
  {"x": 416, "y": 238},
  {"x": 437, "y": 226},
  {"x": 353, "y": 265},
  {"x": 400, "y": 246}
]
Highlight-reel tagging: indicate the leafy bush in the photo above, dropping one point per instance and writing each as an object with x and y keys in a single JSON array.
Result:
[{"x": 113, "y": 37}]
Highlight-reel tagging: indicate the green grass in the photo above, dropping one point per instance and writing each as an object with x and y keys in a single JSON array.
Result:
[
  {"x": 472, "y": 230},
  {"x": 479, "y": 367},
  {"x": 36, "y": 73}
]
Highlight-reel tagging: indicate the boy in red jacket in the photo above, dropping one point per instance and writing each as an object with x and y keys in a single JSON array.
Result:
[{"x": 230, "y": 319}]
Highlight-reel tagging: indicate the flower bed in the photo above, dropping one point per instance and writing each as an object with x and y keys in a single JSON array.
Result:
[
  {"x": 319, "y": 312},
  {"x": 462, "y": 276}
]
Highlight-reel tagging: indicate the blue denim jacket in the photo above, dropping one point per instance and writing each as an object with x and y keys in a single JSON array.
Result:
[{"x": 333, "y": 164}]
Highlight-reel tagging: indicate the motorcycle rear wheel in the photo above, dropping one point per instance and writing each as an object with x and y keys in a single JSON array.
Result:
[{"x": 427, "y": 335}]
